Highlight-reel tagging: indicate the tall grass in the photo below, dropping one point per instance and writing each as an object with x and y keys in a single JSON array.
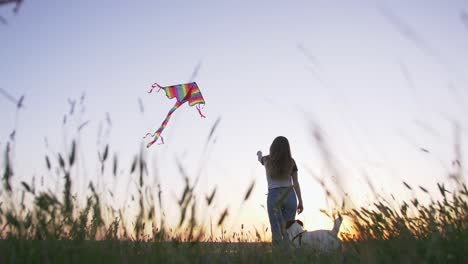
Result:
[
  {"x": 54, "y": 227},
  {"x": 435, "y": 233}
]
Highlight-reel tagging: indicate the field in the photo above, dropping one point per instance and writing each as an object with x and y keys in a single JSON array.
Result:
[
  {"x": 85, "y": 251},
  {"x": 54, "y": 228},
  {"x": 374, "y": 73}
]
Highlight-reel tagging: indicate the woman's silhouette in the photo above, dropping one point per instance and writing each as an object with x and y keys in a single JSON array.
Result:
[{"x": 283, "y": 186}]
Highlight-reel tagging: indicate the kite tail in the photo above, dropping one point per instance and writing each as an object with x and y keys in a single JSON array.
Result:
[
  {"x": 154, "y": 141},
  {"x": 199, "y": 111},
  {"x": 154, "y": 86},
  {"x": 151, "y": 143},
  {"x": 158, "y": 132}
]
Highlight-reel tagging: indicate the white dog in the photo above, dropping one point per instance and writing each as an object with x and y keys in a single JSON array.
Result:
[{"x": 321, "y": 240}]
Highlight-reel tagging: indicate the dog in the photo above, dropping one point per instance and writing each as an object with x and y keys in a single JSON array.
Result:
[{"x": 320, "y": 240}]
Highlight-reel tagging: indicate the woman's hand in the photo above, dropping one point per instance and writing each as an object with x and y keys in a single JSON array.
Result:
[
  {"x": 260, "y": 157},
  {"x": 300, "y": 208}
]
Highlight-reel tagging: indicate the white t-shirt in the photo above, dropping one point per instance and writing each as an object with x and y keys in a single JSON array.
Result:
[{"x": 276, "y": 183}]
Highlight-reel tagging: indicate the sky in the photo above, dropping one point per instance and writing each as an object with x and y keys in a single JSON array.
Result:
[{"x": 381, "y": 80}]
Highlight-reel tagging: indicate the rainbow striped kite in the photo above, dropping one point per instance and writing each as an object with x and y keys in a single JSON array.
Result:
[{"x": 188, "y": 92}]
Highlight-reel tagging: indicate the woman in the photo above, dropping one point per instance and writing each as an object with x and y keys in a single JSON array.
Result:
[{"x": 283, "y": 186}]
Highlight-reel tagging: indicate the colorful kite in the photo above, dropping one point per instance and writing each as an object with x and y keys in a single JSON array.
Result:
[{"x": 188, "y": 92}]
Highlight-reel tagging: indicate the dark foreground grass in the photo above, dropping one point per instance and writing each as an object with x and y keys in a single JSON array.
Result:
[{"x": 70, "y": 251}]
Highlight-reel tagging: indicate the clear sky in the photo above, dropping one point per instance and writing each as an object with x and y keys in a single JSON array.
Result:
[{"x": 382, "y": 79}]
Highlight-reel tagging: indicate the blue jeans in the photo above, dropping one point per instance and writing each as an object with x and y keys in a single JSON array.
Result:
[{"x": 282, "y": 206}]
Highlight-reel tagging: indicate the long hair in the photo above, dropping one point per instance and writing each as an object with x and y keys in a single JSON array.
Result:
[{"x": 279, "y": 163}]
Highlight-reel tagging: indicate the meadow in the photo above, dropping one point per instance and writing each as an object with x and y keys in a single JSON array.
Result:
[
  {"x": 38, "y": 225},
  {"x": 67, "y": 215}
]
